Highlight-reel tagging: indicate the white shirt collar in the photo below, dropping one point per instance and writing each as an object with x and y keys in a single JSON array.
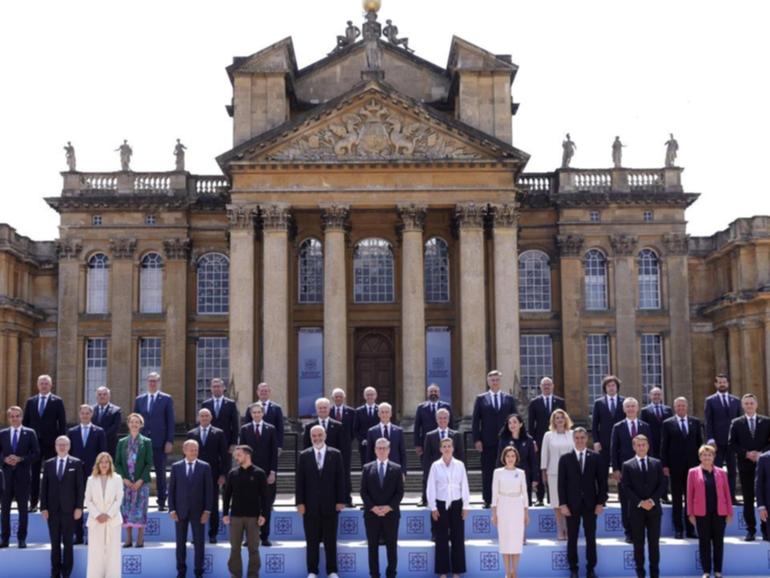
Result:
[
  {"x": 382, "y": 462},
  {"x": 639, "y": 460},
  {"x": 630, "y": 421},
  {"x": 257, "y": 423},
  {"x": 192, "y": 463},
  {"x": 578, "y": 452},
  {"x": 322, "y": 449},
  {"x": 85, "y": 425}
]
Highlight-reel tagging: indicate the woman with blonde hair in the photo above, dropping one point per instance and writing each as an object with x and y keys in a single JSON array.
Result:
[
  {"x": 556, "y": 442},
  {"x": 104, "y": 496},
  {"x": 133, "y": 460}
]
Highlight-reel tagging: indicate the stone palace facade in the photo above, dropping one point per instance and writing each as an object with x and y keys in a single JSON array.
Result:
[{"x": 374, "y": 225}]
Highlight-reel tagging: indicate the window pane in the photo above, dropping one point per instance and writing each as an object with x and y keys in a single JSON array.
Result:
[
  {"x": 436, "y": 267},
  {"x": 211, "y": 360},
  {"x": 311, "y": 272},
  {"x": 98, "y": 284},
  {"x": 595, "y": 281},
  {"x": 598, "y": 357},
  {"x": 151, "y": 284},
  {"x": 149, "y": 360},
  {"x": 652, "y": 363},
  {"x": 96, "y": 367},
  {"x": 534, "y": 281},
  {"x": 649, "y": 280},
  {"x": 213, "y": 284},
  {"x": 373, "y": 272},
  {"x": 536, "y": 355}
]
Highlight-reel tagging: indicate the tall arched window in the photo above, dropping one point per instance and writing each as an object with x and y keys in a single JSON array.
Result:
[
  {"x": 98, "y": 284},
  {"x": 373, "y": 272},
  {"x": 311, "y": 271},
  {"x": 648, "y": 268},
  {"x": 595, "y": 266},
  {"x": 534, "y": 281},
  {"x": 151, "y": 284},
  {"x": 213, "y": 284},
  {"x": 436, "y": 270}
]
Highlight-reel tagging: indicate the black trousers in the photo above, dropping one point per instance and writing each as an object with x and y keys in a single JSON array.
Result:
[
  {"x": 159, "y": 464},
  {"x": 711, "y": 541},
  {"x": 679, "y": 500},
  {"x": 264, "y": 531},
  {"x": 588, "y": 517},
  {"x": 61, "y": 529},
  {"x": 725, "y": 455},
  {"x": 489, "y": 461},
  {"x": 321, "y": 528},
  {"x": 450, "y": 527},
  {"x": 747, "y": 471},
  {"x": 647, "y": 523},
  {"x": 17, "y": 482},
  {"x": 46, "y": 452},
  {"x": 214, "y": 518},
  {"x": 347, "y": 458},
  {"x": 385, "y": 528},
  {"x": 181, "y": 545}
]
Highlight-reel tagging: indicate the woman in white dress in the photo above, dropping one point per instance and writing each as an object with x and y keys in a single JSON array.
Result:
[
  {"x": 104, "y": 495},
  {"x": 510, "y": 513},
  {"x": 556, "y": 442}
]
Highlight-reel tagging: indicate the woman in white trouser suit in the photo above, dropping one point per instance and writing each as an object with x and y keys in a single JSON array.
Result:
[{"x": 104, "y": 495}]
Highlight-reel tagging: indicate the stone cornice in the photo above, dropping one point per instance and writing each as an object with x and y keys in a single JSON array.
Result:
[
  {"x": 241, "y": 216},
  {"x": 275, "y": 216},
  {"x": 638, "y": 198},
  {"x": 470, "y": 215},
  {"x": 22, "y": 307},
  {"x": 177, "y": 248},
  {"x": 505, "y": 215},
  {"x": 570, "y": 245},
  {"x": 68, "y": 248},
  {"x": 623, "y": 245},
  {"x": 675, "y": 243},
  {"x": 123, "y": 248},
  {"x": 137, "y": 202},
  {"x": 334, "y": 216},
  {"x": 412, "y": 216}
]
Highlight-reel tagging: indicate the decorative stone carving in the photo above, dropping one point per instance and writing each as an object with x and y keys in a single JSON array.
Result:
[
  {"x": 352, "y": 32},
  {"x": 375, "y": 132},
  {"x": 179, "y": 155},
  {"x": 623, "y": 245},
  {"x": 676, "y": 243},
  {"x": 568, "y": 148},
  {"x": 570, "y": 245},
  {"x": 68, "y": 248},
  {"x": 391, "y": 33},
  {"x": 125, "y": 151},
  {"x": 275, "y": 216},
  {"x": 617, "y": 153},
  {"x": 69, "y": 153},
  {"x": 241, "y": 216},
  {"x": 412, "y": 216},
  {"x": 672, "y": 148},
  {"x": 470, "y": 215},
  {"x": 177, "y": 248},
  {"x": 506, "y": 215},
  {"x": 334, "y": 217},
  {"x": 122, "y": 248}
]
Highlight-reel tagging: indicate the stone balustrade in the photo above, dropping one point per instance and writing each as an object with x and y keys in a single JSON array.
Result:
[
  {"x": 537, "y": 182},
  {"x": 143, "y": 183}
]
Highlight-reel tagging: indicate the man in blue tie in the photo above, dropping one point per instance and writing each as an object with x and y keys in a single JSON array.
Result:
[{"x": 86, "y": 442}]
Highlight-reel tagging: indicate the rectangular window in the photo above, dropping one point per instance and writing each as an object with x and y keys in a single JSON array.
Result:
[
  {"x": 438, "y": 360},
  {"x": 211, "y": 360},
  {"x": 536, "y": 356},
  {"x": 652, "y": 363},
  {"x": 149, "y": 219},
  {"x": 96, "y": 367},
  {"x": 596, "y": 217},
  {"x": 150, "y": 360},
  {"x": 598, "y": 358},
  {"x": 96, "y": 220},
  {"x": 648, "y": 217},
  {"x": 310, "y": 368}
]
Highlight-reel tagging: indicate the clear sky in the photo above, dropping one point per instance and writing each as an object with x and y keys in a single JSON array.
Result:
[{"x": 96, "y": 72}]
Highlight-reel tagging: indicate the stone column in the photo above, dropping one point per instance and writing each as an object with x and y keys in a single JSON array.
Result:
[
  {"x": 335, "y": 298},
  {"x": 624, "y": 248},
  {"x": 177, "y": 252},
  {"x": 506, "y": 280},
  {"x": 767, "y": 359},
  {"x": 12, "y": 371},
  {"x": 121, "y": 380},
  {"x": 25, "y": 369},
  {"x": 243, "y": 308},
  {"x": 67, "y": 357},
  {"x": 473, "y": 326},
  {"x": 679, "y": 314},
  {"x": 571, "y": 270},
  {"x": 275, "y": 302},
  {"x": 734, "y": 358},
  {"x": 412, "y": 307},
  {"x": 752, "y": 359}
]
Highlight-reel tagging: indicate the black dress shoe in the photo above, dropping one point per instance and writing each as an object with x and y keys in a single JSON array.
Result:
[
  {"x": 629, "y": 540},
  {"x": 591, "y": 574},
  {"x": 78, "y": 542},
  {"x": 539, "y": 504},
  {"x": 692, "y": 535},
  {"x": 22, "y": 544},
  {"x": 750, "y": 537},
  {"x": 679, "y": 535},
  {"x": 487, "y": 505},
  {"x": 212, "y": 540},
  {"x": 162, "y": 508},
  {"x": 32, "y": 509},
  {"x": 574, "y": 575},
  {"x": 267, "y": 543},
  {"x": 349, "y": 504},
  {"x": 3, "y": 544}
]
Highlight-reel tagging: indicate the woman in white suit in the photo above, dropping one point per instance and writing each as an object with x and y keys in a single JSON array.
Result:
[{"x": 104, "y": 495}]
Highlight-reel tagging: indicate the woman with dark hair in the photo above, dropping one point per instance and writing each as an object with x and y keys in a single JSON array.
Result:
[
  {"x": 510, "y": 513},
  {"x": 514, "y": 433}
]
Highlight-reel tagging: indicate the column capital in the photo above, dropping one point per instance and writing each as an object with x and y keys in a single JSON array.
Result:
[
  {"x": 412, "y": 216},
  {"x": 123, "y": 248},
  {"x": 505, "y": 215},
  {"x": 334, "y": 216},
  {"x": 68, "y": 248},
  {"x": 275, "y": 216},
  {"x": 570, "y": 245},
  {"x": 676, "y": 243},
  {"x": 241, "y": 216},
  {"x": 623, "y": 245},
  {"x": 470, "y": 215},
  {"x": 177, "y": 248}
]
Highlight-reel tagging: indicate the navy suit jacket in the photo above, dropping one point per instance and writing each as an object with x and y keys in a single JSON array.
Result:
[
  {"x": 677, "y": 452},
  {"x": 364, "y": 421},
  {"x": 741, "y": 441},
  {"x": 718, "y": 418},
  {"x": 588, "y": 487},
  {"x": 110, "y": 423},
  {"x": 158, "y": 426},
  {"x": 227, "y": 420},
  {"x": 621, "y": 446},
  {"x": 539, "y": 418},
  {"x": 390, "y": 493},
  {"x": 67, "y": 494},
  {"x": 273, "y": 416},
  {"x": 640, "y": 486},
  {"x": 603, "y": 421},
  {"x": 334, "y": 432},
  {"x": 320, "y": 491},
  {"x": 27, "y": 448},
  {"x": 95, "y": 444},
  {"x": 487, "y": 421},
  {"x": 762, "y": 481},
  {"x": 425, "y": 420},
  {"x": 656, "y": 425},
  {"x": 190, "y": 497},
  {"x": 397, "y": 445},
  {"x": 49, "y": 426},
  {"x": 265, "y": 451},
  {"x": 348, "y": 422},
  {"x": 215, "y": 451}
]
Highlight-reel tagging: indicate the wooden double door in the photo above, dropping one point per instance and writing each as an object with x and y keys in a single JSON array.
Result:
[{"x": 375, "y": 364}]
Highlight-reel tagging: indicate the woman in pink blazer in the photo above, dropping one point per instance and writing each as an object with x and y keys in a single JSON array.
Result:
[{"x": 709, "y": 508}]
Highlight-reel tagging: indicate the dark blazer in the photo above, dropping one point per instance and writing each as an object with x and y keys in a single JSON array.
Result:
[
  {"x": 389, "y": 494},
  {"x": 363, "y": 422},
  {"x": 27, "y": 448},
  {"x": 527, "y": 448},
  {"x": 320, "y": 492},
  {"x": 227, "y": 420},
  {"x": 487, "y": 422},
  {"x": 110, "y": 423},
  {"x": 143, "y": 460},
  {"x": 189, "y": 498},
  {"x": 214, "y": 453},
  {"x": 49, "y": 426},
  {"x": 762, "y": 481},
  {"x": 431, "y": 447},
  {"x": 639, "y": 486},
  {"x": 65, "y": 495},
  {"x": 265, "y": 452},
  {"x": 273, "y": 416},
  {"x": 425, "y": 420},
  {"x": 656, "y": 425},
  {"x": 96, "y": 444},
  {"x": 539, "y": 418},
  {"x": 718, "y": 418},
  {"x": 621, "y": 444},
  {"x": 587, "y": 488},
  {"x": 603, "y": 421},
  {"x": 159, "y": 426},
  {"x": 678, "y": 452},
  {"x": 741, "y": 440},
  {"x": 397, "y": 445},
  {"x": 334, "y": 434},
  {"x": 348, "y": 422}
]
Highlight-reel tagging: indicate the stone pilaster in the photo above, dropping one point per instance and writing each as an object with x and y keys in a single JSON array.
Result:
[
  {"x": 623, "y": 248},
  {"x": 67, "y": 386},
  {"x": 412, "y": 306},
  {"x": 5, "y": 394},
  {"x": 121, "y": 380},
  {"x": 766, "y": 347},
  {"x": 734, "y": 358},
  {"x": 177, "y": 252},
  {"x": 12, "y": 371},
  {"x": 335, "y": 298},
  {"x": 571, "y": 269},
  {"x": 679, "y": 314}
]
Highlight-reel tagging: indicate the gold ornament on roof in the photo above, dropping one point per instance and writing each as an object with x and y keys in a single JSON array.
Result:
[{"x": 372, "y": 5}]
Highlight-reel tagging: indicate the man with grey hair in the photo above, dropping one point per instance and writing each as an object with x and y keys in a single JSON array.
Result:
[
  {"x": 346, "y": 415},
  {"x": 655, "y": 413},
  {"x": 392, "y": 433},
  {"x": 107, "y": 416},
  {"x": 332, "y": 427},
  {"x": 540, "y": 410},
  {"x": 366, "y": 417},
  {"x": 425, "y": 421}
]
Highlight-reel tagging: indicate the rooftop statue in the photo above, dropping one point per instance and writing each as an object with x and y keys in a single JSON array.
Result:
[
  {"x": 672, "y": 148},
  {"x": 391, "y": 33},
  {"x": 568, "y": 151},
  {"x": 125, "y": 155},
  {"x": 617, "y": 153},
  {"x": 69, "y": 152},
  {"x": 351, "y": 34},
  {"x": 179, "y": 155}
]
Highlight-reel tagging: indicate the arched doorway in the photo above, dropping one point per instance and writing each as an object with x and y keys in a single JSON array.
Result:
[{"x": 375, "y": 364}]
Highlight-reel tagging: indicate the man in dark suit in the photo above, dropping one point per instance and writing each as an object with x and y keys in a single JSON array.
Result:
[
  {"x": 382, "y": 489},
  {"x": 749, "y": 436},
  {"x": 366, "y": 418},
  {"x": 622, "y": 450},
  {"x": 320, "y": 496},
  {"x": 582, "y": 495},
  {"x": 225, "y": 413},
  {"x": 490, "y": 411},
  {"x": 262, "y": 438},
  {"x": 654, "y": 414},
  {"x": 762, "y": 486},
  {"x": 107, "y": 416},
  {"x": 332, "y": 427},
  {"x": 19, "y": 449},
  {"x": 190, "y": 495},
  {"x": 62, "y": 491},
  {"x": 212, "y": 449},
  {"x": 608, "y": 410},
  {"x": 720, "y": 409},
  {"x": 45, "y": 414},
  {"x": 540, "y": 410},
  {"x": 272, "y": 413},
  {"x": 157, "y": 409},
  {"x": 644, "y": 485},
  {"x": 86, "y": 442},
  {"x": 393, "y": 433},
  {"x": 682, "y": 437},
  {"x": 424, "y": 422},
  {"x": 346, "y": 415},
  {"x": 431, "y": 448}
]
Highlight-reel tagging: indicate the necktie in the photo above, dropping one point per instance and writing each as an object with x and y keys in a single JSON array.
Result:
[
  {"x": 60, "y": 470},
  {"x": 369, "y": 409},
  {"x": 319, "y": 461},
  {"x": 644, "y": 465},
  {"x": 267, "y": 407},
  {"x": 581, "y": 462},
  {"x": 683, "y": 426},
  {"x": 15, "y": 441},
  {"x": 99, "y": 413},
  {"x": 85, "y": 436},
  {"x": 724, "y": 401},
  {"x": 217, "y": 407},
  {"x": 548, "y": 404},
  {"x": 657, "y": 410},
  {"x": 189, "y": 470},
  {"x": 323, "y": 424},
  {"x": 443, "y": 434},
  {"x": 633, "y": 429},
  {"x": 339, "y": 413},
  {"x": 41, "y": 407},
  {"x": 497, "y": 403},
  {"x": 150, "y": 403},
  {"x": 612, "y": 405},
  {"x": 433, "y": 408},
  {"x": 204, "y": 435},
  {"x": 387, "y": 433},
  {"x": 256, "y": 431},
  {"x": 751, "y": 425},
  {"x": 382, "y": 474}
]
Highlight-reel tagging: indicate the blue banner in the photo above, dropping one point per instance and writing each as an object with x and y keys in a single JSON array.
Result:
[
  {"x": 310, "y": 370},
  {"x": 438, "y": 360}
]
